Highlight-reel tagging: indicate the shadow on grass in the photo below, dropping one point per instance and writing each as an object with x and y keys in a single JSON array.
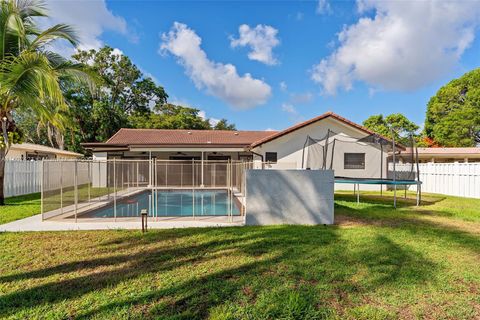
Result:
[
  {"x": 387, "y": 199},
  {"x": 388, "y": 217},
  {"x": 279, "y": 272},
  {"x": 33, "y": 198}
]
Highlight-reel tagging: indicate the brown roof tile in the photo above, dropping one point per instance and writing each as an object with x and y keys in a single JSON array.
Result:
[{"x": 186, "y": 137}]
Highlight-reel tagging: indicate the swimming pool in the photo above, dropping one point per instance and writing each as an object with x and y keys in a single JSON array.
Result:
[{"x": 174, "y": 203}]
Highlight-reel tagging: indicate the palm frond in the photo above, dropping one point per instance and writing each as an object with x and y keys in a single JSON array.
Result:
[
  {"x": 31, "y": 8},
  {"x": 57, "y": 32},
  {"x": 29, "y": 77}
]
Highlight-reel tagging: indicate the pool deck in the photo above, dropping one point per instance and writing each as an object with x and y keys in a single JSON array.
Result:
[{"x": 35, "y": 223}]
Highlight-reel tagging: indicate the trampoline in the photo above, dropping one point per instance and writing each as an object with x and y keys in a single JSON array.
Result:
[{"x": 370, "y": 160}]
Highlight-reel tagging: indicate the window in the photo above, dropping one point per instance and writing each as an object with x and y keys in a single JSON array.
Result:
[
  {"x": 354, "y": 161},
  {"x": 270, "y": 156}
]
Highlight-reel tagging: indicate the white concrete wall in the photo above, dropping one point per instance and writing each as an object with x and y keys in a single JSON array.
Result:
[
  {"x": 289, "y": 197},
  {"x": 99, "y": 170},
  {"x": 289, "y": 149}
]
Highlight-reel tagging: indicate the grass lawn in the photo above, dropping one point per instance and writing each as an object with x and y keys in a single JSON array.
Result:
[
  {"x": 20, "y": 207},
  {"x": 28, "y": 205},
  {"x": 376, "y": 263}
]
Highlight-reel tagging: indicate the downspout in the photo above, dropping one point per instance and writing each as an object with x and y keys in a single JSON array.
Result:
[{"x": 258, "y": 154}]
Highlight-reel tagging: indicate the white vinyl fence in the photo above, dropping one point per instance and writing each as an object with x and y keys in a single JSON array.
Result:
[
  {"x": 22, "y": 177},
  {"x": 455, "y": 179}
]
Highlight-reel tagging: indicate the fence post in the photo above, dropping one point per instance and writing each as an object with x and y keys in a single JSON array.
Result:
[
  {"x": 89, "y": 168},
  {"x": 41, "y": 191},
  {"x": 114, "y": 191},
  {"x": 75, "y": 189},
  {"x": 61, "y": 187},
  {"x": 193, "y": 188}
]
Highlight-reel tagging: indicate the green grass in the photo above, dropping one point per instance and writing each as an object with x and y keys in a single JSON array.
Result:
[
  {"x": 20, "y": 207},
  {"x": 376, "y": 263},
  {"x": 53, "y": 199},
  {"x": 28, "y": 205}
]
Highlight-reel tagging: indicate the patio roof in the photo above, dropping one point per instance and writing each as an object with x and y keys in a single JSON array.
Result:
[{"x": 446, "y": 151}]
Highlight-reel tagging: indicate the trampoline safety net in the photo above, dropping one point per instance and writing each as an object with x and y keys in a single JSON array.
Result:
[{"x": 370, "y": 157}]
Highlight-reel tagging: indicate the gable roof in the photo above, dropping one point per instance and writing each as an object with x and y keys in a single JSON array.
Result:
[
  {"x": 31, "y": 147},
  {"x": 167, "y": 137},
  {"x": 313, "y": 120}
]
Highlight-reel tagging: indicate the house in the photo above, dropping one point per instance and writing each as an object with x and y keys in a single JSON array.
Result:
[
  {"x": 30, "y": 151},
  {"x": 444, "y": 155},
  {"x": 177, "y": 144},
  {"x": 284, "y": 148}
]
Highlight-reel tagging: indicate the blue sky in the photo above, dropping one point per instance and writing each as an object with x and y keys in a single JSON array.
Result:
[{"x": 292, "y": 60}]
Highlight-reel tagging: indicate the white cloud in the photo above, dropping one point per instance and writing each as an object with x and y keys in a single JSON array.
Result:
[
  {"x": 220, "y": 80},
  {"x": 289, "y": 108},
  {"x": 213, "y": 121},
  {"x": 89, "y": 18},
  {"x": 323, "y": 7},
  {"x": 403, "y": 46},
  {"x": 301, "y": 98},
  {"x": 261, "y": 40},
  {"x": 283, "y": 86},
  {"x": 271, "y": 129}
]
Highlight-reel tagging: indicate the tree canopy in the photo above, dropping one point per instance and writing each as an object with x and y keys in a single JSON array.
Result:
[
  {"x": 453, "y": 113},
  {"x": 124, "y": 97},
  {"x": 31, "y": 75},
  {"x": 397, "y": 123}
]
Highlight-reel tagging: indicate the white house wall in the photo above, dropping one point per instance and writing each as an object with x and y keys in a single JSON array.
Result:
[{"x": 289, "y": 149}]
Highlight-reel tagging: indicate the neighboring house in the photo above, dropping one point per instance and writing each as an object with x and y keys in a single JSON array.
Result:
[
  {"x": 30, "y": 151},
  {"x": 444, "y": 155},
  {"x": 282, "y": 147}
]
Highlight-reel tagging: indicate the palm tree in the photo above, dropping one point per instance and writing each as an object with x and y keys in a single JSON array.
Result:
[{"x": 30, "y": 73}]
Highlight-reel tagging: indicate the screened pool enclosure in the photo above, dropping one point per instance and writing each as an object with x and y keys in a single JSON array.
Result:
[{"x": 121, "y": 189}]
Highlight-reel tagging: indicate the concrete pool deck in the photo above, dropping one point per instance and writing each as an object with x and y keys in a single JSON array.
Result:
[{"x": 35, "y": 223}]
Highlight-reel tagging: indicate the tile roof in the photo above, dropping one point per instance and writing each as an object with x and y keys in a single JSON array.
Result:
[
  {"x": 40, "y": 148},
  {"x": 186, "y": 137}
]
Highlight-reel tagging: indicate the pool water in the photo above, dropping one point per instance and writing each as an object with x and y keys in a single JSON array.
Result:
[{"x": 172, "y": 203}]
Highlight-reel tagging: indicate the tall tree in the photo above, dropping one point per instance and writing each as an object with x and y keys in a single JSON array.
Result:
[
  {"x": 170, "y": 116},
  {"x": 30, "y": 74},
  {"x": 122, "y": 91},
  {"x": 223, "y": 124},
  {"x": 397, "y": 123},
  {"x": 453, "y": 113}
]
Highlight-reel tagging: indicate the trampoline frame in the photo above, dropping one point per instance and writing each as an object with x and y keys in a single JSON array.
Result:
[
  {"x": 358, "y": 181},
  {"x": 378, "y": 181}
]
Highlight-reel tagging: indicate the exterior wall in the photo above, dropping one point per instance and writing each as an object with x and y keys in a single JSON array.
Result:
[
  {"x": 289, "y": 197},
  {"x": 167, "y": 154},
  {"x": 99, "y": 170},
  {"x": 16, "y": 154},
  {"x": 289, "y": 149}
]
